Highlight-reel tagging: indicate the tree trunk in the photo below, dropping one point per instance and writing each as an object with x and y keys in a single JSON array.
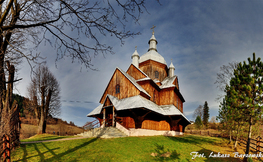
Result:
[
  {"x": 230, "y": 135},
  {"x": 42, "y": 119},
  {"x": 238, "y": 128},
  {"x": 41, "y": 124},
  {"x": 248, "y": 139}
]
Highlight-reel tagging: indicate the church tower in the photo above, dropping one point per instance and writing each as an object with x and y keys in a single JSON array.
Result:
[
  {"x": 145, "y": 99},
  {"x": 152, "y": 63}
]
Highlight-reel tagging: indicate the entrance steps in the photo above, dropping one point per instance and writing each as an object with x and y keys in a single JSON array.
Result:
[{"x": 106, "y": 132}]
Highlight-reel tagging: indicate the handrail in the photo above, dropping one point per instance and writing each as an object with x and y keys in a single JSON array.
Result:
[{"x": 90, "y": 122}]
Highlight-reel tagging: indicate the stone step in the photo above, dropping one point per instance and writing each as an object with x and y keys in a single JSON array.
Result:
[{"x": 107, "y": 132}]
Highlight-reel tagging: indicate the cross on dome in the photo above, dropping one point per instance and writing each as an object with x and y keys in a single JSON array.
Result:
[{"x": 153, "y": 29}]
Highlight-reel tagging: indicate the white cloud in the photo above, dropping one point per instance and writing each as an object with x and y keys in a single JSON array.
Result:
[{"x": 200, "y": 36}]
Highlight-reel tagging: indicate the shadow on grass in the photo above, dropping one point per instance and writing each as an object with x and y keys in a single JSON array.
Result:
[
  {"x": 192, "y": 139},
  {"x": 59, "y": 156},
  {"x": 162, "y": 154},
  {"x": 25, "y": 152},
  {"x": 40, "y": 154},
  {"x": 204, "y": 154},
  {"x": 55, "y": 156}
]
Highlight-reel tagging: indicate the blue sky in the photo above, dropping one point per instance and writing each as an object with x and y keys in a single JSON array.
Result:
[{"x": 198, "y": 35}]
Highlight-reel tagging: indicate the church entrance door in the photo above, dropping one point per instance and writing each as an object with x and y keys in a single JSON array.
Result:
[{"x": 109, "y": 116}]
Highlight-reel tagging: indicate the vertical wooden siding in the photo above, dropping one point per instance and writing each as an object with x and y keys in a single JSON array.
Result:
[
  {"x": 127, "y": 89},
  {"x": 166, "y": 96},
  {"x": 151, "y": 90},
  {"x": 128, "y": 122},
  {"x": 155, "y": 125},
  {"x": 149, "y": 67},
  {"x": 135, "y": 73}
]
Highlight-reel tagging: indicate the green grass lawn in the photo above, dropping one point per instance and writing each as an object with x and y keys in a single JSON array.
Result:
[
  {"x": 44, "y": 137},
  {"x": 128, "y": 149}
]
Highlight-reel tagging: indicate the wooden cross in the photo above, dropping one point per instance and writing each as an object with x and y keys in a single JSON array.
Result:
[{"x": 153, "y": 28}]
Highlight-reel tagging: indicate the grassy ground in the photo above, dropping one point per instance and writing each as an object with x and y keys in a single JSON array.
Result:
[
  {"x": 28, "y": 130},
  {"x": 126, "y": 149},
  {"x": 44, "y": 137}
]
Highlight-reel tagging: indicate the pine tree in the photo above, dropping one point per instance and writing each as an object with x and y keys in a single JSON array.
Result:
[
  {"x": 205, "y": 114},
  {"x": 245, "y": 94}
]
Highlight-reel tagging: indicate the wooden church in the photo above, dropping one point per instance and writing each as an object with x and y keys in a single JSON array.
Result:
[{"x": 144, "y": 100}]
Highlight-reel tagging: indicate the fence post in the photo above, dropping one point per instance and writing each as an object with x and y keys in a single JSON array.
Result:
[
  {"x": 4, "y": 147},
  {"x": 208, "y": 133},
  {"x": 200, "y": 132},
  {"x": 8, "y": 148},
  {"x": 258, "y": 144}
]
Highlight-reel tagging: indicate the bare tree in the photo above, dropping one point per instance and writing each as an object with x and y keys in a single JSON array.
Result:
[
  {"x": 198, "y": 112},
  {"x": 44, "y": 93},
  {"x": 224, "y": 77},
  {"x": 64, "y": 24}
]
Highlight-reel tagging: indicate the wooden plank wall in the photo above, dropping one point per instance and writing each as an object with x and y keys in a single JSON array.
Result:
[
  {"x": 166, "y": 96},
  {"x": 149, "y": 67},
  {"x": 151, "y": 90},
  {"x": 135, "y": 73},
  {"x": 128, "y": 122},
  {"x": 155, "y": 125},
  {"x": 176, "y": 83},
  {"x": 127, "y": 89}
]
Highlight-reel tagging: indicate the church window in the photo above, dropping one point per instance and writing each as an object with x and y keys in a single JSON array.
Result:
[
  {"x": 156, "y": 74},
  {"x": 117, "y": 89}
]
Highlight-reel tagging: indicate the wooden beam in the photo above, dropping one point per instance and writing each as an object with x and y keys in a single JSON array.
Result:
[
  {"x": 113, "y": 116},
  {"x": 104, "y": 116}
]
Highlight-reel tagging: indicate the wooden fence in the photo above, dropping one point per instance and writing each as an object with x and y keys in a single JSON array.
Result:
[
  {"x": 256, "y": 144},
  {"x": 11, "y": 140},
  {"x": 6, "y": 151}
]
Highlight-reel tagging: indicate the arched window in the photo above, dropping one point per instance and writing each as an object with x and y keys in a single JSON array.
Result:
[
  {"x": 117, "y": 89},
  {"x": 156, "y": 73}
]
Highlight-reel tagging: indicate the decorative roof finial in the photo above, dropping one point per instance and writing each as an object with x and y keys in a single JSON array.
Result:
[
  {"x": 135, "y": 47},
  {"x": 153, "y": 29}
]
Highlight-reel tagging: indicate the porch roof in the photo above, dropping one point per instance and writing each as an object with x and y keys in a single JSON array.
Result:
[{"x": 139, "y": 102}]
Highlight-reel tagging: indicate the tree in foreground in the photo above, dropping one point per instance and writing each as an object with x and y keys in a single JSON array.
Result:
[
  {"x": 44, "y": 93},
  {"x": 76, "y": 29},
  {"x": 205, "y": 114},
  {"x": 245, "y": 93},
  {"x": 231, "y": 119}
]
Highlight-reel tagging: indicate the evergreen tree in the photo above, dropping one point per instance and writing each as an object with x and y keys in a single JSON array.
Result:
[
  {"x": 206, "y": 114},
  {"x": 245, "y": 94},
  {"x": 198, "y": 122}
]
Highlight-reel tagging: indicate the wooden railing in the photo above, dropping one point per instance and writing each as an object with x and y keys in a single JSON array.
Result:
[
  {"x": 92, "y": 124},
  {"x": 254, "y": 143},
  {"x": 6, "y": 149}
]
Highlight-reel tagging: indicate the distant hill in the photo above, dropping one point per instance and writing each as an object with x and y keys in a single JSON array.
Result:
[{"x": 29, "y": 122}]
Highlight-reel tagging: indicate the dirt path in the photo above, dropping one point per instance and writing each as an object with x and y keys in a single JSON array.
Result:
[{"x": 63, "y": 139}]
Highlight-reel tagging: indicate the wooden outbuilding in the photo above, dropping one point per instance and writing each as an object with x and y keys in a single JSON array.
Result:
[{"x": 144, "y": 100}]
